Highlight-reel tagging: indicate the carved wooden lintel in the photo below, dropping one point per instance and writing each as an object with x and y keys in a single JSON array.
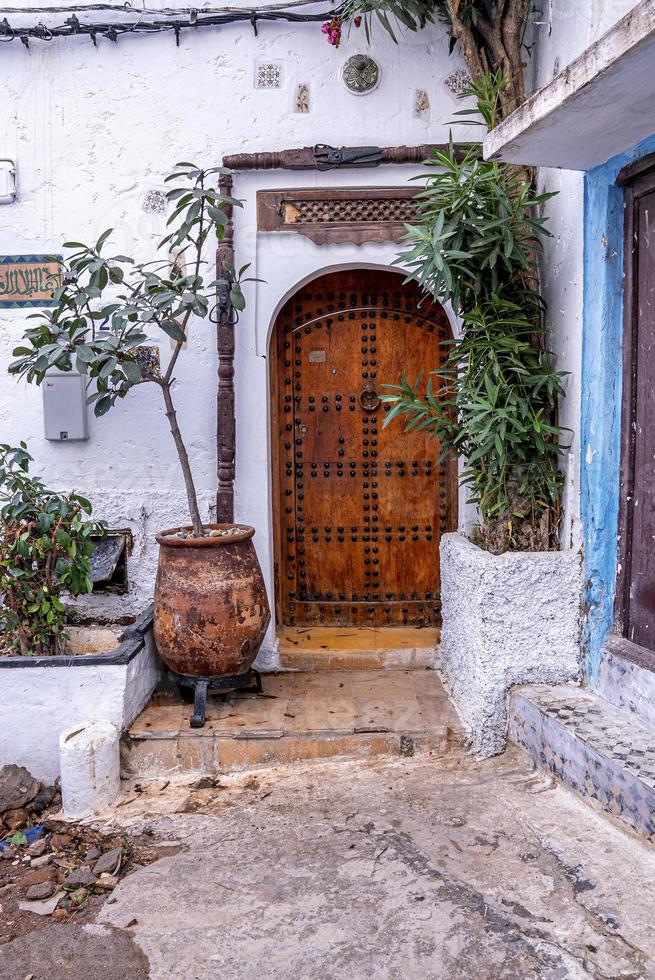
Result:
[
  {"x": 334, "y": 215},
  {"x": 323, "y": 157}
]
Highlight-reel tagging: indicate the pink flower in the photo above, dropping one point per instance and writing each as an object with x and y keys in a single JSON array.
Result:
[{"x": 333, "y": 31}]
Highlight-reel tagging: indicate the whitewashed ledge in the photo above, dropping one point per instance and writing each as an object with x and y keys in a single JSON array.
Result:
[
  {"x": 40, "y": 697},
  {"x": 601, "y": 104},
  {"x": 507, "y": 619}
]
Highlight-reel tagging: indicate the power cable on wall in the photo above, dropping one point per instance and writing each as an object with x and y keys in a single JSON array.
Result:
[
  {"x": 127, "y": 7},
  {"x": 193, "y": 20}
]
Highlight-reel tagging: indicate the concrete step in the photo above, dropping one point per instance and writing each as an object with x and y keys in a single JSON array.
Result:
[
  {"x": 626, "y": 678},
  {"x": 322, "y": 715},
  {"x": 603, "y": 753},
  {"x": 357, "y": 648}
]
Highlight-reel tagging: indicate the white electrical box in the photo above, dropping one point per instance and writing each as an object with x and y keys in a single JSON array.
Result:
[
  {"x": 7, "y": 181},
  {"x": 64, "y": 406}
]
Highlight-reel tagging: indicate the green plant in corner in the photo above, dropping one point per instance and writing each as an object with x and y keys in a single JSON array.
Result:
[
  {"x": 495, "y": 403},
  {"x": 45, "y": 552}
]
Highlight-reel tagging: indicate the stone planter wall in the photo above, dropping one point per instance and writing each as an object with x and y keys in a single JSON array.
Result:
[
  {"x": 42, "y": 696},
  {"x": 507, "y": 619}
]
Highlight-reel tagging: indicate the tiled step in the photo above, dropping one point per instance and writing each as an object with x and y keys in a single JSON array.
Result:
[
  {"x": 601, "y": 752},
  {"x": 627, "y": 679},
  {"x": 357, "y": 648},
  {"x": 355, "y": 715}
]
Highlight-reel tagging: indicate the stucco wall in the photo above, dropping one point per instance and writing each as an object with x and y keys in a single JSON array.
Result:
[
  {"x": 602, "y": 387},
  {"x": 507, "y": 619},
  {"x": 93, "y": 130}
]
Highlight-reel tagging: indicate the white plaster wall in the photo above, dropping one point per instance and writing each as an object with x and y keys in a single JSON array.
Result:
[
  {"x": 561, "y": 29},
  {"x": 92, "y": 131},
  {"x": 564, "y": 28},
  {"x": 561, "y": 269},
  {"x": 38, "y": 703}
]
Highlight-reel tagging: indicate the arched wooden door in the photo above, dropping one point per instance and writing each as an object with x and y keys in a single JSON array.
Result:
[{"x": 359, "y": 509}]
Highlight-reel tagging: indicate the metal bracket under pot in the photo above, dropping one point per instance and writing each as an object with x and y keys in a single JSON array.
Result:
[{"x": 248, "y": 683}]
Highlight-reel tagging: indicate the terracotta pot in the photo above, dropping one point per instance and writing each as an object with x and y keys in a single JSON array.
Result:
[{"x": 211, "y": 609}]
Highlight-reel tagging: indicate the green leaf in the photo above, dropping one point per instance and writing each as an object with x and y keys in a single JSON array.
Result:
[
  {"x": 132, "y": 372},
  {"x": 237, "y": 298},
  {"x": 173, "y": 330},
  {"x": 103, "y": 238}
]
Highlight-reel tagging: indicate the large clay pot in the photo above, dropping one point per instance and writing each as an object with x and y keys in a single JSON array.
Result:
[{"x": 211, "y": 609}]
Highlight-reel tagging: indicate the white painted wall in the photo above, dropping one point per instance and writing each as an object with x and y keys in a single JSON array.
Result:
[
  {"x": 92, "y": 131},
  {"x": 561, "y": 29},
  {"x": 38, "y": 703}
]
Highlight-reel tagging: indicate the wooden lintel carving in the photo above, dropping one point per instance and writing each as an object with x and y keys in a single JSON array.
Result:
[{"x": 336, "y": 215}]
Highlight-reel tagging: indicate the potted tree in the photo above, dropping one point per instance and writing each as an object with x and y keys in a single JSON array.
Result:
[
  {"x": 211, "y": 609},
  {"x": 510, "y": 597}
]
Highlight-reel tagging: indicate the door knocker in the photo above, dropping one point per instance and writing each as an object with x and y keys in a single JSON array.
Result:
[{"x": 369, "y": 398}]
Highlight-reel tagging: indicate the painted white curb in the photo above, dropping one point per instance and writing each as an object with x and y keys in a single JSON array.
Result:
[{"x": 89, "y": 758}]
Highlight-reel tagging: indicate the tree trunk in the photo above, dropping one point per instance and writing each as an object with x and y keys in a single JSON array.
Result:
[{"x": 183, "y": 457}]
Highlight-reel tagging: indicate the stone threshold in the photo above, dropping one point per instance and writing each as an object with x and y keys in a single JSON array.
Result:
[
  {"x": 319, "y": 648},
  {"x": 300, "y": 716}
]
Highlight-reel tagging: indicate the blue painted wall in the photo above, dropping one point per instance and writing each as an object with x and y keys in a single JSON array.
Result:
[{"x": 600, "y": 427}]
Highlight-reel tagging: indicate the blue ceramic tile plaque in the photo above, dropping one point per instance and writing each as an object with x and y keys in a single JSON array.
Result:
[{"x": 28, "y": 280}]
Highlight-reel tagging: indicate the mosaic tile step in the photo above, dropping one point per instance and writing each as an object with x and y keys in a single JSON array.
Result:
[
  {"x": 627, "y": 679},
  {"x": 604, "y": 754}
]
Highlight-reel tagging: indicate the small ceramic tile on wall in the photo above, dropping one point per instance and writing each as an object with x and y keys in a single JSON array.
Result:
[
  {"x": 421, "y": 104},
  {"x": 269, "y": 74},
  {"x": 457, "y": 82},
  {"x": 301, "y": 99}
]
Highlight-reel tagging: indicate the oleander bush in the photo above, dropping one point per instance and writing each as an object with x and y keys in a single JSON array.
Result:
[{"x": 495, "y": 401}]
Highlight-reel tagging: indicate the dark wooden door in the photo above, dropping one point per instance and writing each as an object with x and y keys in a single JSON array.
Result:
[
  {"x": 638, "y": 477},
  {"x": 360, "y": 509}
]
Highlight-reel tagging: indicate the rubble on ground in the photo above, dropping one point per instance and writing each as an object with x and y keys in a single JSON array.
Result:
[{"x": 52, "y": 870}]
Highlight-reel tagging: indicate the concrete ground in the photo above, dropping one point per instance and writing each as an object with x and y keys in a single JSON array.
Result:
[{"x": 395, "y": 869}]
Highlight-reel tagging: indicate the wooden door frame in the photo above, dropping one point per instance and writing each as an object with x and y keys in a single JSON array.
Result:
[
  {"x": 637, "y": 179},
  {"x": 274, "y": 464},
  {"x": 452, "y": 462}
]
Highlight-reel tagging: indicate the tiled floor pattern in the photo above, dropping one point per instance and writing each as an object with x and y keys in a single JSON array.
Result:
[
  {"x": 629, "y": 684},
  {"x": 299, "y": 716},
  {"x": 604, "y": 754}
]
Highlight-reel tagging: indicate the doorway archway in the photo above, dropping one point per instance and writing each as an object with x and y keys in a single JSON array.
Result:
[{"x": 358, "y": 509}]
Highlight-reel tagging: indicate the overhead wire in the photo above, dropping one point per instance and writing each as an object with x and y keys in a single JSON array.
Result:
[{"x": 188, "y": 19}]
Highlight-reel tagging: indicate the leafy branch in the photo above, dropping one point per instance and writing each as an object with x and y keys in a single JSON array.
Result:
[
  {"x": 495, "y": 401},
  {"x": 45, "y": 551},
  {"x": 108, "y": 305}
]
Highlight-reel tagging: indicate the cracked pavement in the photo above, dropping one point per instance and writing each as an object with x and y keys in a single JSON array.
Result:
[{"x": 386, "y": 869}]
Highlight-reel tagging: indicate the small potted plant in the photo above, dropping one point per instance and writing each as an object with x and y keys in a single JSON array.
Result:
[
  {"x": 45, "y": 552},
  {"x": 53, "y": 672},
  {"x": 211, "y": 609}
]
